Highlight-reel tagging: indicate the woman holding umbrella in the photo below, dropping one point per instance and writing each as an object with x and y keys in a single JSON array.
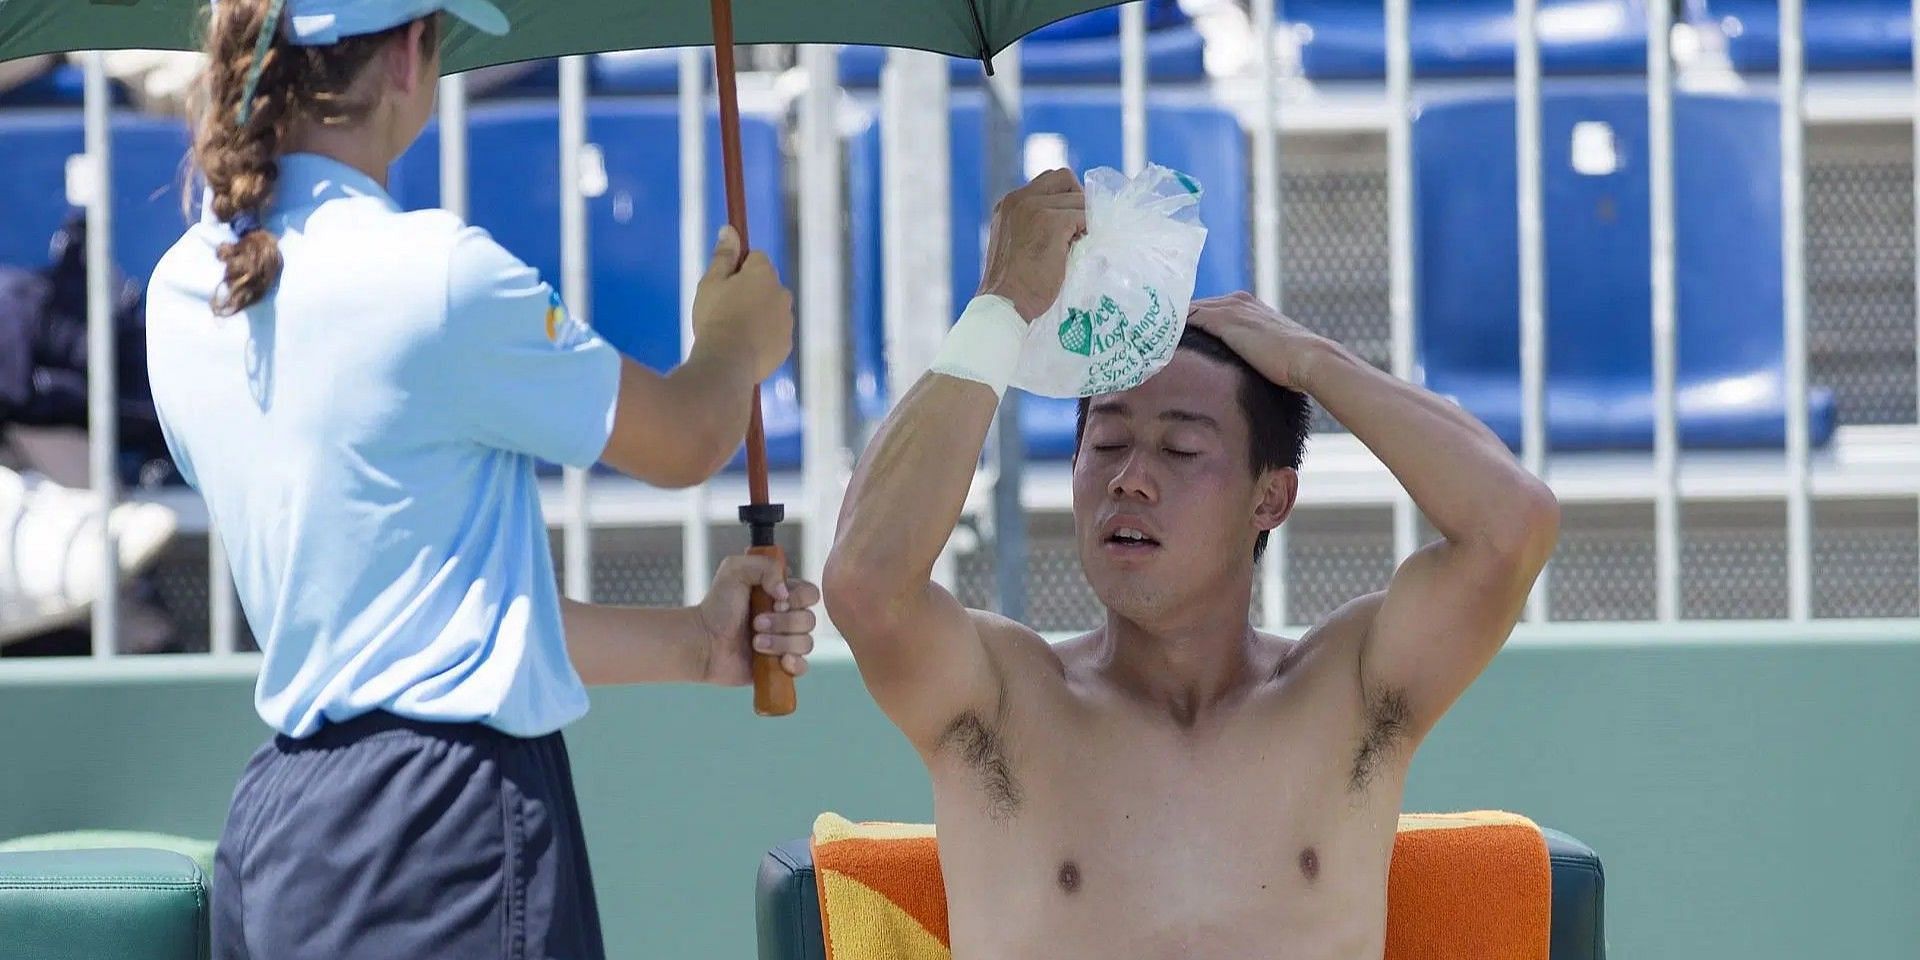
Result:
[{"x": 361, "y": 395}]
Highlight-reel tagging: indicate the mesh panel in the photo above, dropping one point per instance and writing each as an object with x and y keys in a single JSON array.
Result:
[
  {"x": 1333, "y": 247},
  {"x": 1733, "y": 561},
  {"x": 640, "y": 566},
  {"x": 1334, "y": 556},
  {"x": 1866, "y": 559},
  {"x": 1860, "y": 270},
  {"x": 1603, "y": 568},
  {"x": 1058, "y": 597},
  {"x": 179, "y": 578}
]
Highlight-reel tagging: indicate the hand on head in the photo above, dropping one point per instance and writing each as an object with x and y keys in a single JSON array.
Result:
[
  {"x": 1033, "y": 228},
  {"x": 1271, "y": 343},
  {"x": 741, "y": 308}
]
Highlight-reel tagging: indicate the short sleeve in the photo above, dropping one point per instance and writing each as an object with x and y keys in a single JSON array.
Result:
[{"x": 532, "y": 379}]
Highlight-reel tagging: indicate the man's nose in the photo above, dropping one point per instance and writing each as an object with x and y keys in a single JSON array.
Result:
[{"x": 1134, "y": 479}]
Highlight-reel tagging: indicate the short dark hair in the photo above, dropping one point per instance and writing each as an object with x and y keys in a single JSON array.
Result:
[{"x": 1278, "y": 418}]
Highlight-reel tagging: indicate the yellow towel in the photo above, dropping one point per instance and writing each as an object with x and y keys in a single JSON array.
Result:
[{"x": 1474, "y": 884}]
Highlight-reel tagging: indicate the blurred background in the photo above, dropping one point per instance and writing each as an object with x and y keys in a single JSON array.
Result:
[{"x": 1677, "y": 277}]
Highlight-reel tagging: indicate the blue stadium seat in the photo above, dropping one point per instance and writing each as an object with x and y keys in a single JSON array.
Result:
[
  {"x": 1839, "y": 34},
  {"x": 633, "y": 228},
  {"x": 1731, "y": 380},
  {"x": 1346, "y": 39},
  {"x": 62, "y": 85},
  {"x": 1190, "y": 134},
  {"x": 640, "y": 71},
  {"x": 623, "y": 72},
  {"x": 149, "y": 157},
  {"x": 1082, "y": 49}
]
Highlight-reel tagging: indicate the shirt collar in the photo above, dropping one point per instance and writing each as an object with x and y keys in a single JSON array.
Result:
[{"x": 309, "y": 179}]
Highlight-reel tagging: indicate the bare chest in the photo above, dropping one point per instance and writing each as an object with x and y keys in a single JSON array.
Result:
[{"x": 1118, "y": 843}]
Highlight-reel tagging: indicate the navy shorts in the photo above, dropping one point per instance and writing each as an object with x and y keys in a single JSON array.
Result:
[{"x": 385, "y": 837}]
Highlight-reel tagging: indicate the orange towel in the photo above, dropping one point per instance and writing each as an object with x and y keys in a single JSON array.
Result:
[{"x": 1467, "y": 885}]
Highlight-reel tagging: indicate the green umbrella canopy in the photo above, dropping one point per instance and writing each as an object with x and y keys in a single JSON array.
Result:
[{"x": 549, "y": 28}]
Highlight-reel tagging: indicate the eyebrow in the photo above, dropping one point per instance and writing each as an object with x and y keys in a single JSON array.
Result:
[{"x": 1117, "y": 408}]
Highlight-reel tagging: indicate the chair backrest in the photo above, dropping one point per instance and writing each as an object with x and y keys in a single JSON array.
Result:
[
  {"x": 1081, "y": 49},
  {"x": 787, "y": 902},
  {"x": 1597, "y": 242},
  {"x": 1837, "y": 35},
  {"x": 149, "y": 163},
  {"x": 1347, "y": 38},
  {"x": 1080, "y": 129},
  {"x": 633, "y": 233}
]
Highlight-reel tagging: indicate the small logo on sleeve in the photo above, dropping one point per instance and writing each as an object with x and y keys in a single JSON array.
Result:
[{"x": 563, "y": 330}]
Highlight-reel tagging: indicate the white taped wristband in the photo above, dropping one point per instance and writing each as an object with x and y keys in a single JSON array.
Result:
[{"x": 984, "y": 344}]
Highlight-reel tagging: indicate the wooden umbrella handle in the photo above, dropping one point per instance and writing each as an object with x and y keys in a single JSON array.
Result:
[{"x": 773, "y": 692}]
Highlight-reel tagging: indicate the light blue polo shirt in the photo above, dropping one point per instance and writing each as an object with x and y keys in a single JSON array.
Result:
[{"x": 365, "y": 439}]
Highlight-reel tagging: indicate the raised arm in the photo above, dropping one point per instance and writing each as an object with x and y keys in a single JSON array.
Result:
[
  {"x": 1452, "y": 604},
  {"x": 919, "y": 650},
  {"x": 679, "y": 428}
]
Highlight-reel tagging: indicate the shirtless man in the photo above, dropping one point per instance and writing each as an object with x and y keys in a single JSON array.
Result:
[{"x": 1174, "y": 784}]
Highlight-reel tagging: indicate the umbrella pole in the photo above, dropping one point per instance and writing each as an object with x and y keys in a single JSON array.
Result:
[{"x": 773, "y": 691}]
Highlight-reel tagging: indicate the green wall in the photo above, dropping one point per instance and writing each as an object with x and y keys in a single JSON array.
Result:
[{"x": 1754, "y": 795}]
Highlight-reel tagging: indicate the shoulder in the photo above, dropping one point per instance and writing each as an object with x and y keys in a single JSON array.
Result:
[{"x": 1014, "y": 646}]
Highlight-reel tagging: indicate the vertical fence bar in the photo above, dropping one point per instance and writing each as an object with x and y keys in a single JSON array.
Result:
[
  {"x": 822, "y": 314},
  {"x": 1267, "y": 271},
  {"x": 1794, "y": 277},
  {"x": 1133, "y": 86},
  {"x": 1009, "y": 515},
  {"x": 696, "y": 539},
  {"x": 102, "y": 427},
  {"x": 1533, "y": 292},
  {"x": 1916, "y": 217},
  {"x": 453, "y": 145},
  {"x": 577, "y": 543},
  {"x": 1406, "y": 519},
  {"x": 1666, "y": 437},
  {"x": 916, "y": 170}
]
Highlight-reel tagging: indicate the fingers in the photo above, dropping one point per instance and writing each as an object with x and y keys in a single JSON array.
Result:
[
  {"x": 791, "y": 623},
  {"x": 791, "y": 648},
  {"x": 792, "y": 651},
  {"x": 753, "y": 570},
  {"x": 801, "y": 594},
  {"x": 1056, "y": 182},
  {"x": 726, "y": 254}
]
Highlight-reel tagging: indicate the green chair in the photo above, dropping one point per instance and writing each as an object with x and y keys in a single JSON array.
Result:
[{"x": 102, "y": 904}]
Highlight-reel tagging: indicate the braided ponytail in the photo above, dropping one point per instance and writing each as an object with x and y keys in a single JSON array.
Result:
[{"x": 240, "y": 161}]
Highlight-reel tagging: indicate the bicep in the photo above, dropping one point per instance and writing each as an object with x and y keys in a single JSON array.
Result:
[
  {"x": 929, "y": 664},
  {"x": 1441, "y": 620}
]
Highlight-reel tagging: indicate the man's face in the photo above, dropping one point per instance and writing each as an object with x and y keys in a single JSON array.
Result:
[{"x": 1165, "y": 504}]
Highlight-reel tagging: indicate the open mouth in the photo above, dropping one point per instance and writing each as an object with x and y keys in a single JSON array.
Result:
[{"x": 1130, "y": 538}]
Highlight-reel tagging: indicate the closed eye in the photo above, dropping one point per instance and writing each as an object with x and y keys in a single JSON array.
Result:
[
  {"x": 1182, "y": 454},
  {"x": 1108, "y": 447}
]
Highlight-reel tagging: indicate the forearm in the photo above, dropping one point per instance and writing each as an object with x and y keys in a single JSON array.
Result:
[
  {"x": 616, "y": 645},
  {"x": 1456, "y": 470},
  {"x": 909, "y": 488},
  {"x": 712, "y": 399}
]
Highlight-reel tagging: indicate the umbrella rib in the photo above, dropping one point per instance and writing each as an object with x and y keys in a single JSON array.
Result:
[{"x": 980, "y": 29}]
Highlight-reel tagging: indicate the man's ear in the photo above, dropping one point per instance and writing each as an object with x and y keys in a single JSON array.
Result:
[{"x": 1276, "y": 491}]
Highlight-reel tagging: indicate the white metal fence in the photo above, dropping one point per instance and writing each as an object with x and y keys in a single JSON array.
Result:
[{"x": 1870, "y": 467}]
